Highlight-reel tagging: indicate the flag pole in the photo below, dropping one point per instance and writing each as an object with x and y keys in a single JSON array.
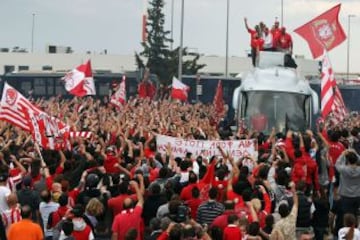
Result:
[
  {"x": 348, "y": 48},
  {"x": 181, "y": 42},
  {"x": 37, "y": 148},
  {"x": 32, "y": 32},
  {"x": 227, "y": 40},
  {"x": 172, "y": 25}
]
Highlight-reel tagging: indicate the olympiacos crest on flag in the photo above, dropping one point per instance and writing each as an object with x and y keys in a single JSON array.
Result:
[
  {"x": 324, "y": 31},
  {"x": 10, "y": 96}
]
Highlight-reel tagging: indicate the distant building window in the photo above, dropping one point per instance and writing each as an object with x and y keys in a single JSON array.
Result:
[
  {"x": 26, "y": 86},
  {"x": 59, "y": 88},
  {"x": 9, "y": 68},
  {"x": 50, "y": 86},
  {"x": 103, "y": 89},
  {"x": 47, "y": 68},
  {"x": 52, "y": 49},
  {"x": 23, "y": 68},
  {"x": 39, "y": 86}
]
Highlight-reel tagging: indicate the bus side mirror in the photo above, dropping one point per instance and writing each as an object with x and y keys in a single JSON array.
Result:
[
  {"x": 236, "y": 97},
  {"x": 315, "y": 101}
]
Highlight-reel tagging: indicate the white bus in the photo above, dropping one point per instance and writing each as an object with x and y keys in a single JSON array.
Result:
[{"x": 272, "y": 95}]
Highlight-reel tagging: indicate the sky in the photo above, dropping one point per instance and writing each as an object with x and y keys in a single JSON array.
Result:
[{"x": 115, "y": 25}]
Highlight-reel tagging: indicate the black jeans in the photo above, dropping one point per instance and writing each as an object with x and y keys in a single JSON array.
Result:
[
  {"x": 319, "y": 233},
  {"x": 350, "y": 204},
  {"x": 253, "y": 56}
]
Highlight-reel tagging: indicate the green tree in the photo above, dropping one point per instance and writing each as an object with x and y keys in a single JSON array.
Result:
[{"x": 160, "y": 59}]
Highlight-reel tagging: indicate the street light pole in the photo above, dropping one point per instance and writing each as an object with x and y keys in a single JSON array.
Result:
[
  {"x": 181, "y": 41},
  {"x": 348, "y": 48},
  {"x": 227, "y": 40},
  {"x": 282, "y": 13},
  {"x": 32, "y": 32},
  {"x": 172, "y": 24}
]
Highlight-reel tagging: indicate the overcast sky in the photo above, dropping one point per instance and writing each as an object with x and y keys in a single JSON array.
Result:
[{"x": 115, "y": 25}]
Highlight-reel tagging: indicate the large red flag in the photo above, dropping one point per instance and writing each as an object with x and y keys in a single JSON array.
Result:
[
  {"x": 146, "y": 89},
  {"x": 80, "y": 81},
  {"x": 323, "y": 32},
  {"x": 218, "y": 99},
  {"x": 331, "y": 99}
]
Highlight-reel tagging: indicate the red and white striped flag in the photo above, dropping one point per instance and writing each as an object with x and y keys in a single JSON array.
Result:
[
  {"x": 80, "y": 81},
  {"x": 47, "y": 131},
  {"x": 331, "y": 99},
  {"x": 12, "y": 103},
  {"x": 119, "y": 97},
  {"x": 82, "y": 134}
]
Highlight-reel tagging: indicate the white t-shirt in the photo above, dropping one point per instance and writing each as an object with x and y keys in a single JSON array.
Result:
[
  {"x": 45, "y": 210},
  {"x": 4, "y": 193},
  {"x": 343, "y": 231}
]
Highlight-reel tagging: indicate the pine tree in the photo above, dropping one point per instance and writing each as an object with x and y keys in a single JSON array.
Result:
[{"x": 160, "y": 59}]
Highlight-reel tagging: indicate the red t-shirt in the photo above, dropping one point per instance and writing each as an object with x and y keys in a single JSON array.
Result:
[
  {"x": 73, "y": 194},
  {"x": 252, "y": 37},
  {"x": 221, "y": 187},
  {"x": 285, "y": 41},
  {"x": 312, "y": 173},
  {"x": 276, "y": 34},
  {"x": 238, "y": 200},
  {"x": 221, "y": 221},
  {"x": 116, "y": 203},
  {"x": 232, "y": 232},
  {"x": 82, "y": 235},
  {"x": 257, "y": 43},
  {"x": 127, "y": 220},
  {"x": 193, "y": 204},
  {"x": 259, "y": 122},
  {"x": 109, "y": 163}
]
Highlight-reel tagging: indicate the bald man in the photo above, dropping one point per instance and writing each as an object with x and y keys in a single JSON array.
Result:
[{"x": 13, "y": 214}]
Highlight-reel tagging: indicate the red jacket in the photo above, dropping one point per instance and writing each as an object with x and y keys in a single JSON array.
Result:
[
  {"x": 299, "y": 170},
  {"x": 312, "y": 173},
  {"x": 289, "y": 148}
]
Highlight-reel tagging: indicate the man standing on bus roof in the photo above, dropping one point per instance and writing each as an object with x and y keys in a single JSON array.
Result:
[
  {"x": 268, "y": 40},
  {"x": 275, "y": 31},
  {"x": 255, "y": 41},
  {"x": 285, "y": 43}
]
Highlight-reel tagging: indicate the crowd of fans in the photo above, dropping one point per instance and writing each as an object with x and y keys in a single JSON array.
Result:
[{"x": 115, "y": 185}]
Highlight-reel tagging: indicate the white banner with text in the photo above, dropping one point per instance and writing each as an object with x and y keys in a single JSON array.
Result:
[{"x": 206, "y": 148}]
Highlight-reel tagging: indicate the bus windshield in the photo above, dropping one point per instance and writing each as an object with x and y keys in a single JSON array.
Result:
[{"x": 262, "y": 110}]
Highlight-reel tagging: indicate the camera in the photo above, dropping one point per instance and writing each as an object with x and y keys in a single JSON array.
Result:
[{"x": 182, "y": 214}]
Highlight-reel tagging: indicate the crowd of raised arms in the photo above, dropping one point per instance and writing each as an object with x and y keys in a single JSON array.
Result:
[{"x": 115, "y": 185}]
